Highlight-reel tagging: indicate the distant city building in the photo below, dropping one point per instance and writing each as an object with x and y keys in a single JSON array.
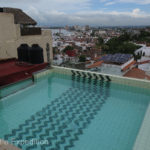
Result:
[
  {"x": 87, "y": 28},
  {"x": 117, "y": 64},
  {"x": 67, "y": 27}
]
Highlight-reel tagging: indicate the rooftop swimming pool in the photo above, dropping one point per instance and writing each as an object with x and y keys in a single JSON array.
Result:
[{"x": 73, "y": 112}]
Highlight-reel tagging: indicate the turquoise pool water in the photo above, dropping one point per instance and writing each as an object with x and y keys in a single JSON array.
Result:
[{"x": 74, "y": 113}]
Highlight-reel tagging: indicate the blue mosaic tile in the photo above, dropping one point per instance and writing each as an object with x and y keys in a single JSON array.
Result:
[{"x": 64, "y": 119}]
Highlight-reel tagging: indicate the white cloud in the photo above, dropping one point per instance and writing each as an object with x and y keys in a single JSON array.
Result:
[
  {"x": 112, "y": 18},
  {"x": 62, "y": 12},
  {"x": 111, "y": 2},
  {"x": 136, "y": 1},
  {"x": 48, "y": 4}
]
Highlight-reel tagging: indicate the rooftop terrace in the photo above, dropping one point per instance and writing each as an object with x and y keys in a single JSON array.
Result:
[{"x": 12, "y": 71}]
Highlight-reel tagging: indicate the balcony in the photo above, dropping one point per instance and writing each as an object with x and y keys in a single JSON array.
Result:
[{"x": 30, "y": 31}]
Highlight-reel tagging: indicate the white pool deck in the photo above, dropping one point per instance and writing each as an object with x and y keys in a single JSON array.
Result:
[
  {"x": 6, "y": 146},
  {"x": 143, "y": 139}
]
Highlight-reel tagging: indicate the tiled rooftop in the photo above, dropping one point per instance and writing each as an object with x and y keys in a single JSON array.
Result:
[
  {"x": 12, "y": 71},
  {"x": 97, "y": 64},
  {"x": 137, "y": 73}
]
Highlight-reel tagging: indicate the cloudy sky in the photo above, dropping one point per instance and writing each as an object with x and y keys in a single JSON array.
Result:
[{"x": 83, "y": 12}]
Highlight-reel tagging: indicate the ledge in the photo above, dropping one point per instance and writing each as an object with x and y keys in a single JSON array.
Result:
[
  {"x": 143, "y": 139},
  {"x": 4, "y": 145}
]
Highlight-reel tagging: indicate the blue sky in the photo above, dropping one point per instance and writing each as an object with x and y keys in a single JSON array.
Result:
[{"x": 82, "y": 12}]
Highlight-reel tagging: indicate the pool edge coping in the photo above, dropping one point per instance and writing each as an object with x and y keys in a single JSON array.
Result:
[
  {"x": 102, "y": 74},
  {"x": 143, "y": 137},
  {"x": 116, "y": 79}
]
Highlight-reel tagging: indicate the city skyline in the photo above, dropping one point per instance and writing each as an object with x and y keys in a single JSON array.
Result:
[{"x": 82, "y": 12}]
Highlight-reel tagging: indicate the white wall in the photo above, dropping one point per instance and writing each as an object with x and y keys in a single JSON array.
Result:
[
  {"x": 114, "y": 69},
  {"x": 144, "y": 49},
  {"x": 10, "y": 38},
  {"x": 110, "y": 69},
  {"x": 127, "y": 63},
  {"x": 7, "y": 27}
]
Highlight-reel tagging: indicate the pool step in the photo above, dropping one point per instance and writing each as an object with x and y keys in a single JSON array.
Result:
[{"x": 15, "y": 87}]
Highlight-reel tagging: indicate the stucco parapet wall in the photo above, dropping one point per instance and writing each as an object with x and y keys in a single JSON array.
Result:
[
  {"x": 145, "y": 84},
  {"x": 116, "y": 79},
  {"x": 7, "y": 14},
  {"x": 42, "y": 73},
  {"x": 46, "y": 32}
]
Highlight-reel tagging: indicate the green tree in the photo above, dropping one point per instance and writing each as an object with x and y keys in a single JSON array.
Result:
[
  {"x": 55, "y": 50},
  {"x": 105, "y": 48},
  {"x": 120, "y": 45},
  {"x": 68, "y": 48},
  {"x": 82, "y": 58},
  {"x": 125, "y": 37},
  {"x": 100, "y": 41},
  {"x": 144, "y": 36},
  {"x": 93, "y": 33}
]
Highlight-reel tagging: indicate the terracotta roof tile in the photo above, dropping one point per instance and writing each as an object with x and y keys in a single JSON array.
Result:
[
  {"x": 97, "y": 64},
  {"x": 137, "y": 73},
  {"x": 128, "y": 66}
]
